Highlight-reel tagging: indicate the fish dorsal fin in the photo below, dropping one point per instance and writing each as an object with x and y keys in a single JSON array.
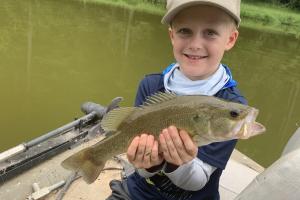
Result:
[
  {"x": 114, "y": 118},
  {"x": 159, "y": 97}
]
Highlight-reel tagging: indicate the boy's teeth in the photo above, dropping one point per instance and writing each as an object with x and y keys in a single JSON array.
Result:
[{"x": 194, "y": 57}]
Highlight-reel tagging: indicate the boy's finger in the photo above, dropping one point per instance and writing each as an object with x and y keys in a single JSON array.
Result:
[
  {"x": 148, "y": 149},
  {"x": 189, "y": 145},
  {"x": 163, "y": 147},
  {"x": 177, "y": 141},
  {"x": 155, "y": 157},
  {"x": 149, "y": 145},
  {"x": 141, "y": 148},
  {"x": 131, "y": 151},
  {"x": 175, "y": 158}
]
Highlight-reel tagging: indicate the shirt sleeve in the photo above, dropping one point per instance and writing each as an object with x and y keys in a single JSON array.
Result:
[
  {"x": 147, "y": 174},
  {"x": 142, "y": 93},
  {"x": 191, "y": 176},
  {"x": 144, "y": 173}
]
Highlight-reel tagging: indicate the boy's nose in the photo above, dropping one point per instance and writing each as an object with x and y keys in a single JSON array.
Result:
[{"x": 196, "y": 42}]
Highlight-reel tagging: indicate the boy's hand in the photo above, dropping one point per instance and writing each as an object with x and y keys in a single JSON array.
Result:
[
  {"x": 177, "y": 146},
  {"x": 143, "y": 152}
]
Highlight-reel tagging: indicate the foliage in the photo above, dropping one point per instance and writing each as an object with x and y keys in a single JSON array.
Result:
[
  {"x": 294, "y": 4},
  {"x": 163, "y": 2},
  {"x": 254, "y": 13}
]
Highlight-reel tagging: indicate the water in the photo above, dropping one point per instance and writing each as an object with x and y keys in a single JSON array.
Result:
[{"x": 55, "y": 55}]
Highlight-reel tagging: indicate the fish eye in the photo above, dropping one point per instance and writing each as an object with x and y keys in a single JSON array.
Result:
[{"x": 234, "y": 113}]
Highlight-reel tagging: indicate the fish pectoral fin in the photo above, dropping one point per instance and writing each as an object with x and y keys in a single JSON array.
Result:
[{"x": 86, "y": 167}]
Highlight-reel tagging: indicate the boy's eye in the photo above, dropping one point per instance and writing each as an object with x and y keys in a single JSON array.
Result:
[
  {"x": 211, "y": 33},
  {"x": 184, "y": 31}
]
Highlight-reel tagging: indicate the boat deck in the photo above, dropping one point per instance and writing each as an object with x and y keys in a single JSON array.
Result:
[{"x": 240, "y": 171}]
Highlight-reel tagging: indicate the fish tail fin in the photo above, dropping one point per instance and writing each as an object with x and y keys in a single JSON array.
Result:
[
  {"x": 82, "y": 163},
  {"x": 114, "y": 118}
]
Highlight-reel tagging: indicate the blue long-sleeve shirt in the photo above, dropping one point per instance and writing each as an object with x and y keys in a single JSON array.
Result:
[{"x": 161, "y": 186}]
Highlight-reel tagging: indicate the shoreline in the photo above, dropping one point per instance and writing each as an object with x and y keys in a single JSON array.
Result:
[{"x": 263, "y": 17}]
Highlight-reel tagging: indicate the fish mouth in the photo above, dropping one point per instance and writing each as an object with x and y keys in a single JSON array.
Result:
[{"x": 249, "y": 127}]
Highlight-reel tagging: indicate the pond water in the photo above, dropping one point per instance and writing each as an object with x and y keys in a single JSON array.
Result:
[{"x": 55, "y": 55}]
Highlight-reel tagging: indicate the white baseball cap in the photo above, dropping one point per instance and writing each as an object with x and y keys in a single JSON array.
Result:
[{"x": 231, "y": 7}]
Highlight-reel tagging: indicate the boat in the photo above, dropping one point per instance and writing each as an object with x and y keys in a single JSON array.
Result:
[{"x": 32, "y": 170}]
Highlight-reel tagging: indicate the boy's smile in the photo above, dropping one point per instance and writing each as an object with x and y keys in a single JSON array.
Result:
[{"x": 200, "y": 35}]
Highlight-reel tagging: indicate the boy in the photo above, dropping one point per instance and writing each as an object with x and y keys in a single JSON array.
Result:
[{"x": 200, "y": 32}]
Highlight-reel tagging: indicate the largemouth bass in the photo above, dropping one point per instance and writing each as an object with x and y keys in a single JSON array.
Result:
[{"x": 207, "y": 119}]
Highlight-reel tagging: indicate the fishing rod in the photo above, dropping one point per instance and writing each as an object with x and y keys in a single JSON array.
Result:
[{"x": 92, "y": 111}]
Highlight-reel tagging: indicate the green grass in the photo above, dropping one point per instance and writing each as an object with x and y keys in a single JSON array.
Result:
[
  {"x": 271, "y": 18},
  {"x": 264, "y": 17},
  {"x": 139, "y": 5}
]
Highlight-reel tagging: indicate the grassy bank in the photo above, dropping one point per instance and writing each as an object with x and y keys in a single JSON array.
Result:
[
  {"x": 255, "y": 15},
  {"x": 139, "y": 5},
  {"x": 271, "y": 18}
]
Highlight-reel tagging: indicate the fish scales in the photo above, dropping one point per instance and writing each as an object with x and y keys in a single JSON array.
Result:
[
  {"x": 154, "y": 121},
  {"x": 177, "y": 111},
  {"x": 207, "y": 119}
]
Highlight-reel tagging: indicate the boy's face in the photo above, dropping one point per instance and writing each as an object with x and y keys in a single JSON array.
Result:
[{"x": 200, "y": 35}]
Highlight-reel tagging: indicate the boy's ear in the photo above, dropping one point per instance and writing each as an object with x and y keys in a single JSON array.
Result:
[
  {"x": 232, "y": 39},
  {"x": 171, "y": 34}
]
